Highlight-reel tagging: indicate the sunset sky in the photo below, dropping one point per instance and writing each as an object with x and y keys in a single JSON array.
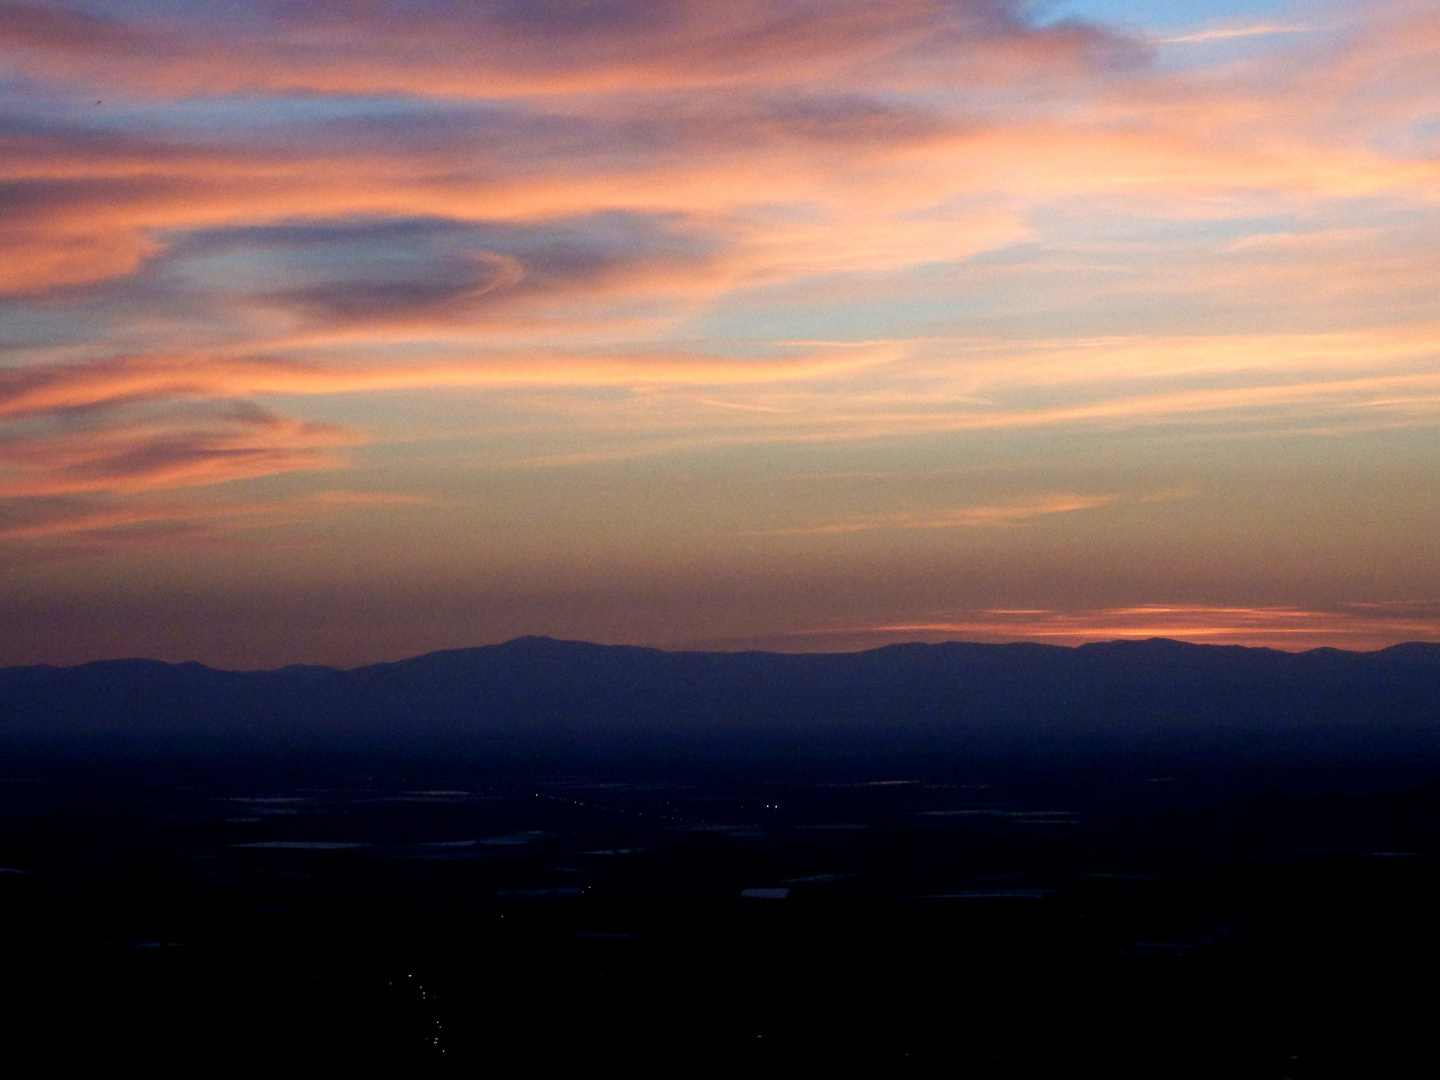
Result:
[{"x": 337, "y": 332}]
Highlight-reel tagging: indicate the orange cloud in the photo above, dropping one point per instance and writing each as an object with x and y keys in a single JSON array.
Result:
[
  {"x": 137, "y": 424},
  {"x": 1259, "y": 383},
  {"x": 862, "y": 175},
  {"x": 30, "y": 390},
  {"x": 965, "y": 517},
  {"x": 49, "y": 527},
  {"x": 837, "y": 180},
  {"x": 235, "y": 443},
  {"x": 1359, "y": 626},
  {"x": 494, "y": 50},
  {"x": 1227, "y": 33},
  {"x": 562, "y": 196}
]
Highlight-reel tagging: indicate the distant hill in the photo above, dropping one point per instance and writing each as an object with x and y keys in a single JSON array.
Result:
[{"x": 538, "y": 693}]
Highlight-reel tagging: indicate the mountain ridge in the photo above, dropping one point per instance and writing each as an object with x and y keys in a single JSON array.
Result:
[{"x": 544, "y": 693}]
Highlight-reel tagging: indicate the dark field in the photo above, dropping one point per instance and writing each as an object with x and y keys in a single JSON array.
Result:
[{"x": 947, "y": 915}]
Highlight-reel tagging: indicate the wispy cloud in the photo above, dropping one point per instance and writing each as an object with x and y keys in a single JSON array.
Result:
[
  {"x": 498, "y": 50},
  {"x": 51, "y": 388},
  {"x": 127, "y": 426},
  {"x": 965, "y": 517},
  {"x": 1226, "y": 33},
  {"x": 133, "y": 454},
  {"x": 1350, "y": 625},
  {"x": 44, "y": 528},
  {"x": 240, "y": 245}
]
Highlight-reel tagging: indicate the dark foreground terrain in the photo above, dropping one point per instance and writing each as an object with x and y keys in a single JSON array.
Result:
[
  {"x": 1257, "y": 902},
  {"x": 983, "y": 919}
]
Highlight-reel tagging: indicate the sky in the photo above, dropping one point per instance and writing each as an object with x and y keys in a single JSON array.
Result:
[{"x": 337, "y": 332}]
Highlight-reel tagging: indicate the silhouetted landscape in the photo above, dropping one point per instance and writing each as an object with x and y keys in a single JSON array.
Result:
[
  {"x": 1137, "y": 859},
  {"x": 333, "y": 334}
]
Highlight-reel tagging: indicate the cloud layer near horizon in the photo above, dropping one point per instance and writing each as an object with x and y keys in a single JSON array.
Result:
[{"x": 253, "y": 253}]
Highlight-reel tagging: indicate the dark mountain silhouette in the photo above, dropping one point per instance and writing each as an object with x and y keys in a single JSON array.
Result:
[
  {"x": 537, "y": 693},
  {"x": 1132, "y": 859}
]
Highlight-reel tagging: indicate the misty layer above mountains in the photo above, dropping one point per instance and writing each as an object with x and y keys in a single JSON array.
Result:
[{"x": 537, "y": 694}]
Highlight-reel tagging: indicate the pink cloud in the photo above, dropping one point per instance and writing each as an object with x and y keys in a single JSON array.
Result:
[
  {"x": 1357, "y": 626},
  {"x": 502, "y": 48}
]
